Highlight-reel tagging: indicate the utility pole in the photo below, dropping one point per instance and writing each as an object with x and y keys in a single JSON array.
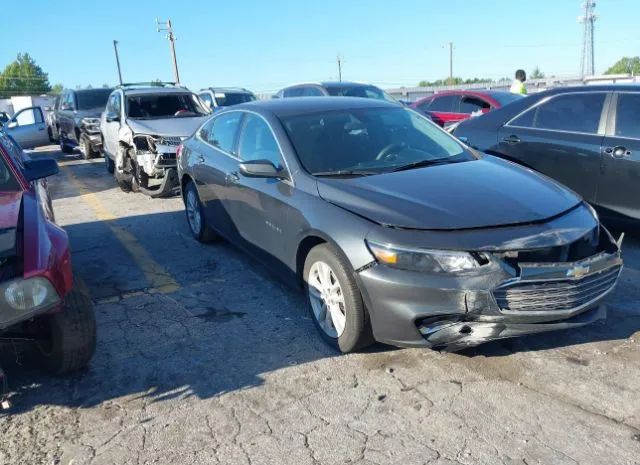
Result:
[
  {"x": 588, "y": 18},
  {"x": 115, "y": 48},
  {"x": 165, "y": 26},
  {"x": 450, "y": 63},
  {"x": 339, "y": 68}
]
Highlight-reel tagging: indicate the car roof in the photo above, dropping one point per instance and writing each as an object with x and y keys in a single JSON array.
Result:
[
  {"x": 84, "y": 91},
  {"x": 240, "y": 90},
  {"x": 595, "y": 87},
  {"x": 155, "y": 90},
  {"x": 346, "y": 84},
  {"x": 306, "y": 105}
]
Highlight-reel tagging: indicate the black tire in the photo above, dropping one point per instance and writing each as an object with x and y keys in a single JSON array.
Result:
[
  {"x": 86, "y": 148},
  {"x": 73, "y": 333},
  {"x": 127, "y": 180},
  {"x": 64, "y": 148},
  {"x": 109, "y": 164},
  {"x": 52, "y": 139},
  {"x": 357, "y": 332},
  {"x": 203, "y": 233}
]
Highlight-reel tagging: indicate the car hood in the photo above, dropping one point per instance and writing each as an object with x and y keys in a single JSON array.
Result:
[
  {"x": 9, "y": 217},
  {"x": 180, "y": 127},
  {"x": 475, "y": 194},
  {"x": 89, "y": 113}
]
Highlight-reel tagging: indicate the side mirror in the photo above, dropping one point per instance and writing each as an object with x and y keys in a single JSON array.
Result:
[
  {"x": 261, "y": 169},
  {"x": 40, "y": 168},
  {"x": 112, "y": 117}
]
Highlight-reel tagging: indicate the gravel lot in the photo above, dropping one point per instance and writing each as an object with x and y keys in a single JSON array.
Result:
[{"x": 204, "y": 359}]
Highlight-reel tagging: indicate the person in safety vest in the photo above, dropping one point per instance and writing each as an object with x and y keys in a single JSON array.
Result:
[{"x": 518, "y": 84}]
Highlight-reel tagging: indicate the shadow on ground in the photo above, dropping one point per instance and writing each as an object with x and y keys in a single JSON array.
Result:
[{"x": 228, "y": 325}]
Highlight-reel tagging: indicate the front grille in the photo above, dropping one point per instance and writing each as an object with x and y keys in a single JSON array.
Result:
[
  {"x": 555, "y": 295},
  {"x": 166, "y": 159}
]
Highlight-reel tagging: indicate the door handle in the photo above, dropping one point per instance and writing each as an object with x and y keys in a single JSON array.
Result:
[
  {"x": 232, "y": 178},
  {"x": 617, "y": 152},
  {"x": 513, "y": 139}
]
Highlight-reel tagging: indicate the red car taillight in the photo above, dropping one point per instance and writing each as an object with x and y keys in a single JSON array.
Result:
[{"x": 179, "y": 151}]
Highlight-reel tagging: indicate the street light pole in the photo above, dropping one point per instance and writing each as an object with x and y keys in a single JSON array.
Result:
[
  {"x": 450, "y": 63},
  {"x": 339, "y": 68},
  {"x": 165, "y": 26},
  {"x": 115, "y": 48}
]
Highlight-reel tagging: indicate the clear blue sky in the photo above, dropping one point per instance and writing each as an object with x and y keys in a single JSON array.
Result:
[{"x": 266, "y": 44}]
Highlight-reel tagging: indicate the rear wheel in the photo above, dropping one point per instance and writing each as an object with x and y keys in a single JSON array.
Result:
[
  {"x": 195, "y": 215},
  {"x": 336, "y": 304},
  {"x": 72, "y": 333}
]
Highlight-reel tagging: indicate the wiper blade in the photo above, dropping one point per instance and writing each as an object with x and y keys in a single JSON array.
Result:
[
  {"x": 345, "y": 173},
  {"x": 423, "y": 163}
]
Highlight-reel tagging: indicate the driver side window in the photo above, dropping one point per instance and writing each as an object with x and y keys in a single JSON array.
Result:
[{"x": 258, "y": 143}]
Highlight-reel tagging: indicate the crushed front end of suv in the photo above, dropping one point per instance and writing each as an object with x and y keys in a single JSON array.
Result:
[{"x": 142, "y": 127}]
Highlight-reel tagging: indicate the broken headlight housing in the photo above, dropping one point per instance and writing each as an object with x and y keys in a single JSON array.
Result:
[
  {"x": 424, "y": 260},
  {"x": 91, "y": 125},
  {"x": 27, "y": 295}
]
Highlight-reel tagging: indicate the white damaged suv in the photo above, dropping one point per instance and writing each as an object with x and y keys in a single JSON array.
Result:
[{"x": 141, "y": 127}]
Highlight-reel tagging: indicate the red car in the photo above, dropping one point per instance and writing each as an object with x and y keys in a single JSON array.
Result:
[
  {"x": 449, "y": 107},
  {"x": 40, "y": 302}
]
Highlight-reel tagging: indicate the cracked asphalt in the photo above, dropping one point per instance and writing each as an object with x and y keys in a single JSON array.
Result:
[{"x": 203, "y": 358}]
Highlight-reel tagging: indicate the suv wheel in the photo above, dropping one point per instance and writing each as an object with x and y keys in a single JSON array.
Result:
[
  {"x": 336, "y": 304},
  {"x": 125, "y": 178},
  {"x": 195, "y": 215},
  {"x": 86, "y": 148}
]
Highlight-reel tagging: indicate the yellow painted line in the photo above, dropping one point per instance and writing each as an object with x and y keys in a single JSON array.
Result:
[{"x": 158, "y": 277}]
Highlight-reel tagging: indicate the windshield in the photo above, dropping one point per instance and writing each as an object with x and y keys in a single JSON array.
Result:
[
  {"x": 505, "y": 98},
  {"x": 173, "y": 105},
  {"x": 374, "y": 140},
  {"x": 8, "y": 182},
  {"x": 227, "y": 99},
  {"x": 360, "y": 91},
  {"x": 92, "y": 98}
]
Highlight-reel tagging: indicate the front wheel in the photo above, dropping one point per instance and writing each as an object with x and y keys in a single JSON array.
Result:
[
  {"x": 336, "y": 304},
  {"x": 72, "y": 333},
  {"x": 86, "y": 148},
  {"x": 125, "y": 177},
  {"x": 64, "y": 147}
]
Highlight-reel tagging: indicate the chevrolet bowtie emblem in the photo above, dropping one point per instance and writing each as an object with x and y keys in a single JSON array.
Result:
[{"x": 578, "y": 271}]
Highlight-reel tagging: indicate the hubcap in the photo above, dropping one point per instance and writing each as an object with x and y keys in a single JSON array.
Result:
[
  {"x": 327, "y": 299},
  {"x": 193, "y": 212}
]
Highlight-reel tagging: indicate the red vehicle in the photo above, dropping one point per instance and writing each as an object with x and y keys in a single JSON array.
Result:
[
  {"x": 40, "y": 302},
  {"x": 449, "y": 107}
]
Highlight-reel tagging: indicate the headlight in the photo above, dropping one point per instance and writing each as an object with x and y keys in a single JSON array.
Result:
[
  {"x": 91, "y": 124},
  {"x": 425, "y": 260},
  {"x": 28, "y": 294}
]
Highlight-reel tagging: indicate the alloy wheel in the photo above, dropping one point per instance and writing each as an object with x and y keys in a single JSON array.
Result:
[{"x": 327, "y": 299}]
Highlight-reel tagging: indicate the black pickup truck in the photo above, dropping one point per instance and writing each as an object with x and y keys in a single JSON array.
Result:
[{"x": 77, "y": 117}]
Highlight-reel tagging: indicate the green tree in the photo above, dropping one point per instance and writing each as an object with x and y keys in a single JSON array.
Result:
[
  {"x": 23, "y": 77},
  {"x": 453, "y": 81},
  {"x": 537, "y": 74},
  {"x": 625, "y": 65},
  {"x": 57, "y": 89}
]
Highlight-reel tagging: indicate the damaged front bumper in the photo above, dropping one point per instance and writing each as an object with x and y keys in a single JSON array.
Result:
[{"x": 513, "y": 297}]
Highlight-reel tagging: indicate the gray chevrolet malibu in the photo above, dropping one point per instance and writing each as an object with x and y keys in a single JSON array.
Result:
[{"x": 397, "y": 232}]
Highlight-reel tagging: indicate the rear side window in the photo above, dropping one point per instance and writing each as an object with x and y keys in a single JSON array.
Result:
[
  {"x": 627, "y": 122},
  {"x": 312, "y": 92},
  {"x": 257, "y": 142},
  {"x": 206, "y": 98},
  {"x": 572, "y": 112},
  {"x": 473, "y": 104},
  {"x": 221, "y": 131},
  {"x": 294, "y": 92},
  {"x": 446, "y": 103}
]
